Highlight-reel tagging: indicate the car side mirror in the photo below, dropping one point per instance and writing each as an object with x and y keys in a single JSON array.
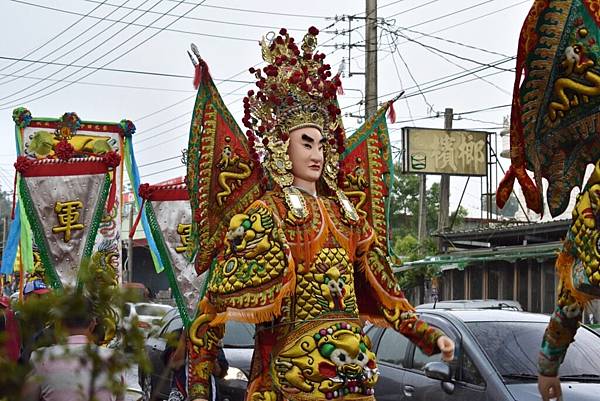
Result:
[{"x": 440, "y": 371}]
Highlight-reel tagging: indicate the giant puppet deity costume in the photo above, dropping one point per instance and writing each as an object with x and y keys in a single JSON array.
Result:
[
  {"x": 555, "y": 132},
  {"x": 298, "y": 260}
]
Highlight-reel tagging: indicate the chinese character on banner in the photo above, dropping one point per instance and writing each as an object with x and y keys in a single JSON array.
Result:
[
  {"x": 184, "y": 231},
  {"x": 68, "y": 218}
]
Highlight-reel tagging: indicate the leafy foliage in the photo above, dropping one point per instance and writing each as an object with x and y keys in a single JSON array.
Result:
[
  {"x": 47, "y": 312},
  {"x": 404, "y": 221}
]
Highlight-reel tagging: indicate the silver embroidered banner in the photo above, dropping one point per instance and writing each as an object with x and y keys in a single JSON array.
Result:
[
  {"x": 64, "y": 207},
  {"x": 174, "y": 220}
]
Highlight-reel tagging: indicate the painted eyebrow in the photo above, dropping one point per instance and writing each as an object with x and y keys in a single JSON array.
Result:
[
  {"x": 307, "y": 138},
  {"x": 311, "y": 140}
]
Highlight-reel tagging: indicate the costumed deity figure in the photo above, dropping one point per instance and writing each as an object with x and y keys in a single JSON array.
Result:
[
  {"x": 299, "y": 261},
  {"x": 554, "y": 133}
]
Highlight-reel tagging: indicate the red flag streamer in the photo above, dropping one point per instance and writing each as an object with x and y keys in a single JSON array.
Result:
[
  {"x": 110, "y": 203},
  {"x": 392, "y": 113},
  {"x": 197, "y": 75},
  {"x": 137, "y": 219}
]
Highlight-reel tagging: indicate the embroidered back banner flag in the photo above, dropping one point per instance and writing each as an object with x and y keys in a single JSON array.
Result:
[
  {"x": 64, "y": 202},
  {"x": 368, "y": 171},
  {"x": 222, "y": 171},
  {"x": 555, "y": 116},
  {"x": 168, "y": 210},
  {"x": 69, "y": 139}
]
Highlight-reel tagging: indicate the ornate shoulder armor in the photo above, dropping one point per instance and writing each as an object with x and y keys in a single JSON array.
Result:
[{"x": 255, "y": 270}]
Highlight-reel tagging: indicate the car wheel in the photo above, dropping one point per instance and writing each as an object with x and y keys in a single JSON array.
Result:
[{"x": 146, "y": 388}]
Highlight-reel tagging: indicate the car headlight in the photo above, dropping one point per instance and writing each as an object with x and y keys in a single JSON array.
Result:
[{"x": 235, "y": 374}]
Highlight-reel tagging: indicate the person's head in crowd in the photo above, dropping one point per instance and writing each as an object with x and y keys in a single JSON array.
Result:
[
  {"x": 74, "y": 313},
  {"x": 35, "y": 288}
]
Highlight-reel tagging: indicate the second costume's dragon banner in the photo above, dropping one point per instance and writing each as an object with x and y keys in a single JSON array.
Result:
[
  {"x": 555, "y": 115},
  {"x": 167, "y": 208}
]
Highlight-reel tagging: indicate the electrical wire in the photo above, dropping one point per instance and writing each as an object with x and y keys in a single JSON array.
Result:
[
  {"x": 67, "y": 29},
  {"x": 138, "y": 72},
  {"x": 139, "y": 25},
  {"x": 114, "y": 59},
  {"x": 427, "y": 35},
  {"x": 70, "y": 42},
  {"x": 437, "y": 19},
  {"x": 207, "y": 19},
  {"x": 104, "y": 84},
  {"x": 77, "y": 59},
  {"x": 413, "y": 8},
  {"x": 475, "y": 75},
  {"x": 436, "y": 49}
]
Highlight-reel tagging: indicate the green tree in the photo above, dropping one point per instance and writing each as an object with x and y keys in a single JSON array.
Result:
[
  {"x": 404, "y": 206},
  {"x": 404, "y": 212}
]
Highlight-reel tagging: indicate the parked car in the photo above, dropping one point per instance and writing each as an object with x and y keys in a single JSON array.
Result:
[
  {"x": 474, "y": 304},
  {"x": 147, "y": 316},
  {"x": 496, "y": 357},
  {"x": 238, "y": 345}
]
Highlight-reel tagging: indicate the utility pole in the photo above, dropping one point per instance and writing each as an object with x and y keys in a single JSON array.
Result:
[
  {"x": 130, "y": 245},
  {"x": 444, "y": 187},
  {"x": 422, "y": 229},
  {"x": 371, "y": 59}
]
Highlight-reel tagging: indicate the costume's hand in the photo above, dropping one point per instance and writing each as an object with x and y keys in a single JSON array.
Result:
[
  {"x": 549, "y": 387},
  {"x": 446, "y": 345}
]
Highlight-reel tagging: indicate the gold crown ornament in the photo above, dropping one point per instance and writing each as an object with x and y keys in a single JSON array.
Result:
[{"x": 295, "y": 90}]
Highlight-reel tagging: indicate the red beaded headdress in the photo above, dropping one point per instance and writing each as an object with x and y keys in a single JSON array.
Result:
[{"x": 296, "y": 89}]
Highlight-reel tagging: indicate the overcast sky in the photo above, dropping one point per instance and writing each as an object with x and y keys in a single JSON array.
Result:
[{"x": 460, "y": 55}]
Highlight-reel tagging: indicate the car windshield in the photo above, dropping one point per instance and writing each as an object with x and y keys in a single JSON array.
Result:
[
  {"x": 513, "y": 348},
  {"x": 152, "y": 310}
]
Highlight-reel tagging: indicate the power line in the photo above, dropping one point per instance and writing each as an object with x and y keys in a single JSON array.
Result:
[
  {"x": 453, "y": 42},
  {"x": 397, "y": 33},
  {"x": 89, "y": 67},
  {"x": 258, "y": 11},
  {"x": 436, "y": 19},
  {"x": 116, "y": 58},
  {"x": 53, "y": 37},
  {"x": 79, "y": 58},
  {"x": 205, "y": 19},
  {"x": 495, "y": 123},
  {"x": 140, "y": 25},
  {"x": 415, "y": 81},
  {"x": 429, "y": 49},
  {"x": 413, "y": 8},
  {"x": 471, "y": 19},
  {"x": 100, "y": 84},
  {"x": 162, "y": 171},
  {"x": 481, "y": 110},
  {"x": 159, "y": 161},
  {"x": 402, "y": 86},
  {"x": 69, "y": 42},
  {"x": 187, "y": 123},
  {"x": 233, "y": 76}
]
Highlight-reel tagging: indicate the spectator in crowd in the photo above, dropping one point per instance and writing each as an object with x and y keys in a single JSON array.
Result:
[
  {"x": 76, "y": 370},
  {"x": 9, "y": 331},
  {"x": 34, "y": 333}
]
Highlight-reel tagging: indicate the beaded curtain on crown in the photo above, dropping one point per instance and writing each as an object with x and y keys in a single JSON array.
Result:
[{"x": 296, "y": 89}]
